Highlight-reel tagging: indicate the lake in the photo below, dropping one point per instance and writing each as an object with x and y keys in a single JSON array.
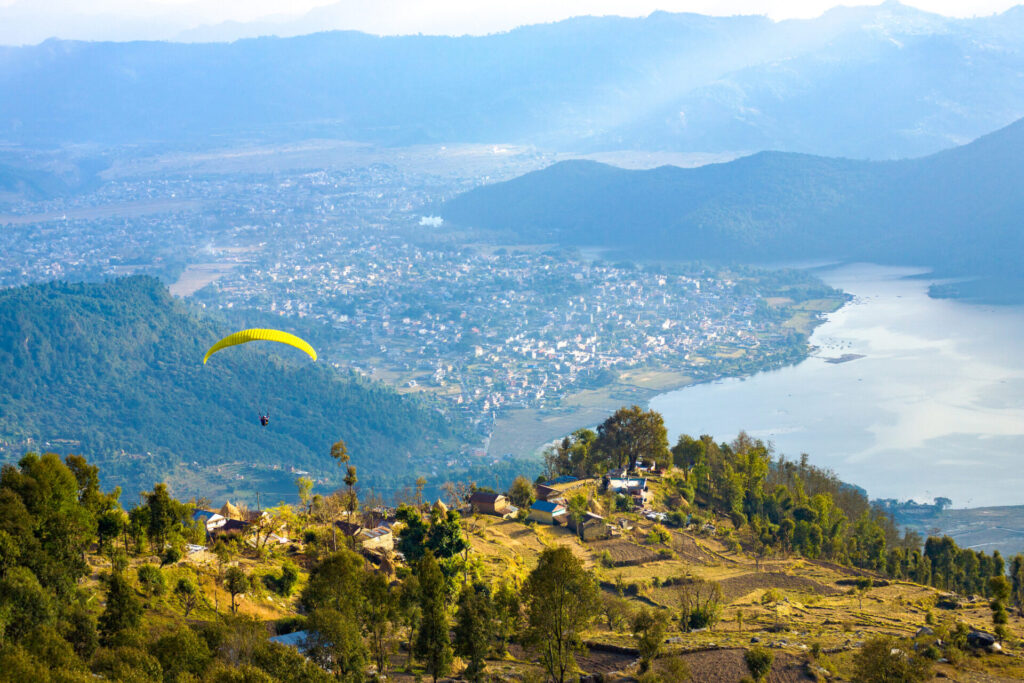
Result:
[{"x": 935, "y": 407}]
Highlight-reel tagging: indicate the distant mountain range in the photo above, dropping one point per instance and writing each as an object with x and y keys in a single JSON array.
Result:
[
  {"x": 114, "y": 371},
  {"x": 960, "y": 211},
  {"x": 869, "y": 82}
]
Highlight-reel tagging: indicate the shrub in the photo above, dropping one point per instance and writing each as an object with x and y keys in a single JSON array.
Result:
[
  {"x": 880, "y": 661},
  {"x": 606, "y": 559},
  {"x": 659, "y": 535},
  {"x": 672, "y": 669},
  {"x": 737, "y": 518},
  {"x": 677, "y": 518},
  {"x": 170, "y": 556},
  {"x": 759, "y": 662},
  {"x": 151, "y": 579}
]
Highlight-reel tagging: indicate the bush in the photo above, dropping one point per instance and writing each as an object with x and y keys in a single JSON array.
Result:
[
  {"x": 606, "y": 559},
  {"x": 738, "y": 519},
  {"x": 881, "y": 660},
  {"x": 759, "y": 662},
  {"x": 289, "y": 577},
  {"x": 677, "y": 518},
  {"x": 659, "y": 535},
  {"x": 672, "y": 669},
  {"x": 170, "y": 556},
  {"x": 152, "y": 580}
]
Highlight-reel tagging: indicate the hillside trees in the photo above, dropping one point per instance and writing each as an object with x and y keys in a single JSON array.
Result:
[
  {"x": 433, "y": 644},
  {"x": 521, "y": 493},
  {"x": 561, "y": 600},
  {"x": 473, "y": 629},
  {"x": 48, "y": 527},
  {"x": 122, "y": 613},
  {"x": 630, "y": 434},
  {"x": 443, "y": 536},
  {"x": 380, "y": 614}
]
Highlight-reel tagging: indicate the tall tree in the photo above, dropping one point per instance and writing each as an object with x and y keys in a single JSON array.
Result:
[
  {"x": 474, "y": 629},
  {"x": 351, "y": 501},
  {"x": 339, "y": 451},
  {"x": 336, "y": 643},
  {"x": 237, "y": 583},
  {"x": 336, "y": 582},
  {"x": 630, "y": 434},
  {"x": 1017, "y": 582},
  {"x": 123, "y": 611},
  {"x": 305, "y": 487},
  {"x": 187, "y": 594},
  {"x": 649, "y": 630},
  {"x": 577, "y": 506},
  {"x": 521, "y": 493},
  {"x": 163, "y": 515},
  {"x": 380, "y": 612},
  {"x": 562, "y": 600},
  {"x": 999, "y": 589},
  {"x": 433, "y": 643}
]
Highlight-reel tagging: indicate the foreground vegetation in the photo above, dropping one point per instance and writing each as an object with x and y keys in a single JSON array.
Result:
[{"x": 736, "y": 565}]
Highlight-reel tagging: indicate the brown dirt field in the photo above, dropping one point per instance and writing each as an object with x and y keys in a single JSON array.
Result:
[
  {"x": 593, "y": 662},
  {"x": 604, "y": 662},
  {"x": 689, "y": 551},
  {"x": 738, "y": 586},
  {"x": 623, "y": 551},
  {"x": 727, "y": 666}
]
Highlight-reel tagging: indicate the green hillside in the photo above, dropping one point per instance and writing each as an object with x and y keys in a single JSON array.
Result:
[
  {"x": 957, "y": 211},
  {"x": 113, "y": 371}
]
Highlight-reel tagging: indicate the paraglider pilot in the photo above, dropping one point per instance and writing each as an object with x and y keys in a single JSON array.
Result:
[{"x": 264, "y": 419}]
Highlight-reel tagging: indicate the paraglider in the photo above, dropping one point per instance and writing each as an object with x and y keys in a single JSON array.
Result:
[{"x": 260, "y": 334}]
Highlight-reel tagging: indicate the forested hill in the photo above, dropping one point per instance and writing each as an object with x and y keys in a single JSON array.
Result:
[
  {"x": 957, "y": 211},
  {"x": 118, "y": 365}
]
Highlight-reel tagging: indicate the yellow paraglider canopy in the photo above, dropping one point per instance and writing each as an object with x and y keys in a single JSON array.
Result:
[{"x": 258, "y": 334}]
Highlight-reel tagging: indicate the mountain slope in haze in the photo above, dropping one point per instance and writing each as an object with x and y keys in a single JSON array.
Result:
[
  {"x": 958, "y": 211},
  {"x": 96, "y": 368},
  {"x": 876, "y": 82}
]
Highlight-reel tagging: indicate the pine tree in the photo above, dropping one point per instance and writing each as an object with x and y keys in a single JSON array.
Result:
[
  {"x": 473, "y": 629},
  {"x": 433, "y": 644},
  {"x": 123, "y": 611}
]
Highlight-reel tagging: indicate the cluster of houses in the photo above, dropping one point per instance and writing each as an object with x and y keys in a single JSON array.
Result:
[
  {"x": 231, "y": 520},
  {"x": 551, "y": 507}
]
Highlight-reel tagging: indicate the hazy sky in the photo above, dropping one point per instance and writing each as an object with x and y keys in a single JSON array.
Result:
[{"x": 30, "y": 21}]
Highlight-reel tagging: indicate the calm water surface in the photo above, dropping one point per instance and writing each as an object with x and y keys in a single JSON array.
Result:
[{"x": 934, "y": 408}]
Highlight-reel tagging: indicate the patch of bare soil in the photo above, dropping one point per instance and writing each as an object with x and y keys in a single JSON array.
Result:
[
  {"x": 596, "y": 661},
  {"x": 623, "y": 552},
  {"x": 738, "y": 586},
  {"x": 728, "y": 666},
  {"x": 689, "y": 551}
]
